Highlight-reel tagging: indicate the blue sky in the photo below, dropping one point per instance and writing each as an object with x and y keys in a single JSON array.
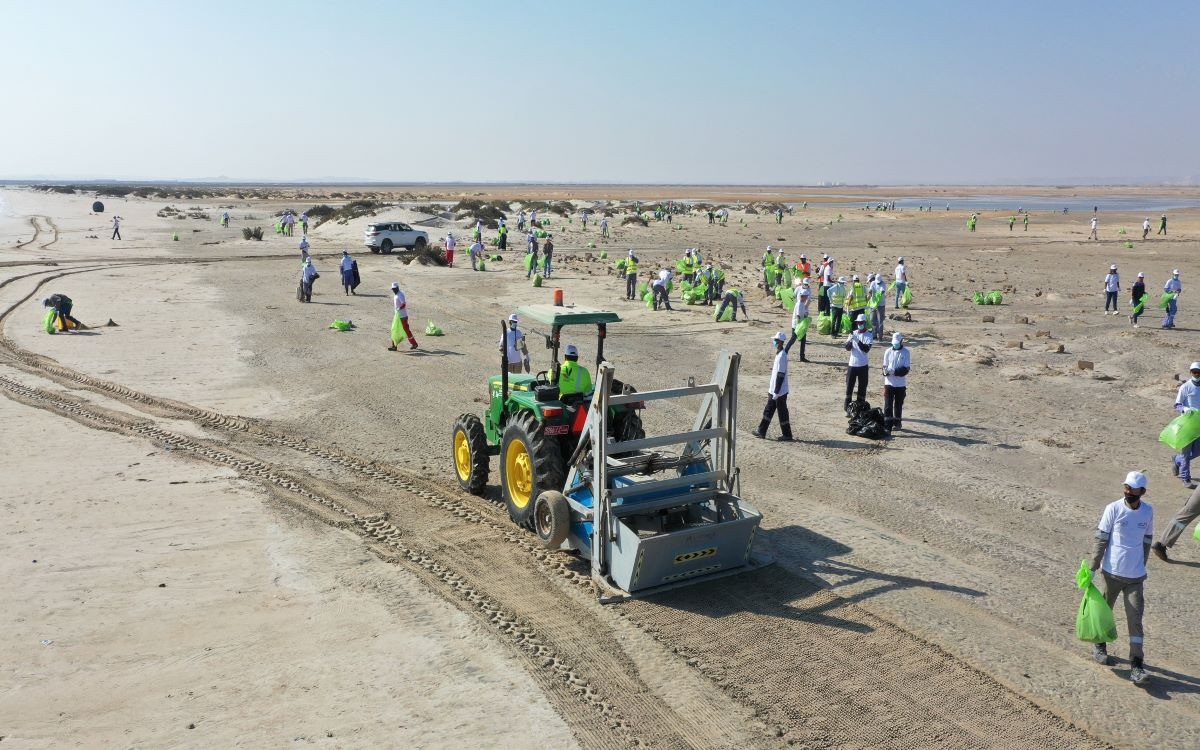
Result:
[{"x": 682, "y": 92}]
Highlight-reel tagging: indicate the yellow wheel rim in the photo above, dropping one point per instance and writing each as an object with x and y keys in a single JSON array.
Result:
[
  {"x": 518, "y": 470},
  {"x": 462, "y": 455}
]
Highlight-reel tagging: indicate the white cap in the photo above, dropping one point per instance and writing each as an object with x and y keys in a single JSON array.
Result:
[
  {"x": 841, "y": 279},
  {"x": 897, "y": 338},
  {"x": 571, "y": 350},
  {"x": 395, "y": 285},
  {"x": 1141, "y": 275},
  {"x": 512, "y": 318},
  {"x": 781, "y": 337},
  {"x": 1175, "y": 272},
  {"x": 804, "y": 281},
  {"x": 901, "y": 259},
  {"x": 856, "y": 277},
  {"x": 825, "y": 256},
  {"x": 861, "y": 318},
  {"x": 1194, "y": 366},
  {"x": 631, "y": 251},
  {"x": 1113, "y": 267},
  {"x": 1135, "y": 480},
  {"x": 803, "y": 256}
]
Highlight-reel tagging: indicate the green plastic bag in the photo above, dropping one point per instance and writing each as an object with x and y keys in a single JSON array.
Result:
[
  {"x": 727, "y": 316},
  {"x": 432, "y": 329},
  {"x": 801, "y": 329},
  {"x": 1181, "y": 431},
  {"x": 1095, "y": 622},
  {"x": 979, "y": 298},
  {"x": 1165, "y": 301},
  {"x": 48, "y": 320},
  {"x": 649, "y": 298},
  {"x": 1128, "y": 244},
  {"x": 398, "y": 334},
  {"x": 847, "y": 324},
  {"x": 603, "y": 253},
  {"x": 906, "y": 298},
  {"x": 788, "y": 297},
  {"x": 482, "y": 265},
  {"x": 994, "y": 298},
  {"x": 824, "y": 324},
  {"x": 537, "y": 279},
  {"x": 1196, "y": 533},
  {"x": 1141, "y": 304},
  {"x": 342, "y": 325},
  {"x": 528, "y": 262}
]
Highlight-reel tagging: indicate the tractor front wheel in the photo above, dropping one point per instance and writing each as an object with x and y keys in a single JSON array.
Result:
[
  {"x": 552, "y": 519},
  {"x": 468, "y": 448},
  {"x": 530, "y": 464}
]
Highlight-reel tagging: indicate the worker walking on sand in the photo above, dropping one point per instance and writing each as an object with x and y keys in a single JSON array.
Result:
[
  {"x": 533, "y": 250},
  {"x": 1095, "y": 229},
  {"x": 826, "y": 275},
  {"x": 735, "y": 298},
  {"x": 1138, "y": 298},
  {"x": 451, "y": 243},
  {"x": 1123, "y": 541},
  {"x": 901, "y": 278},
  {"x": 777, "y": 393},
  {"x": 837, "y": 302},
  {"x": 513, "y": 344},
  {"x": 1011, "y": 221},
  {"x": 1162, "y": 227},
  {"x": 308, "y": 274},
  {"x": 1187, "y": 399},
  {"x": 1175, "y": 287},
  {"x": 304, "y": 223},
  {"x": 1179, "y": 524},
  {"x": 877, "y": 303},
  {"x": 400, "y": 319},
  {"x": 62, "y": 304},
  {"x": 604, "y": 227},
  {"x": 1026, "y": 220},
  {"x": 858, "y": 372},
  {"x": 548, "y": 256},
  {"x": 116, "y": 225},
  {"x": 349, "y": 273},
  {"x": 631, "y": 269},
  {"x": 304, "y": 249},
  {"x": 1112, "y": 287},
  {"x": 897, "y": 363},
  {"x": 1145, "y": 227},
  {"x": 799, "y": 316}
]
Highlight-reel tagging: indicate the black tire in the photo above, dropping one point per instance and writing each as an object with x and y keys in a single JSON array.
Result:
[
  {"x": 627, "y": 425},
  {"x": 552, "y": 519},
  {"x": 375, "y": 250},
  {"x": 544, "y": 464},
  {"x": 419, "y": 245},
  {"x": 476, "y": 460},
  {"x": 386, "y": 246}
]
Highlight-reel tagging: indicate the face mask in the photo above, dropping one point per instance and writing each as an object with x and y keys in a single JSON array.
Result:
[
  {"x": 897, "y": 346},
  {"x": 1132, "y": 499}
]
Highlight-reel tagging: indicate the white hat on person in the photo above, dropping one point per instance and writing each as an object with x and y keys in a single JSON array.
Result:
[
  {"x": 897, "y": 338},
  {"x": 1135, "y": 480},
  {"x": 395, "y": 285},
  {"x": 841, "y": 279},
  {"x": 861, "y": 318},
  {"x": 513, "y": 318},
  {"x": 1113, "y": 267},
  {"x": 571, "y": 351},
  {"x": 1194, "y": 366},
  {"x": 781, "y": 337},
  {"x": 1175, "y": 272}
]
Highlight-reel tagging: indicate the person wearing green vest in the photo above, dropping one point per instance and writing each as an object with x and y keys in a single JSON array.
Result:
[
  {"x": 689, "y": 266},
  {"x": 573, "y": 378},
  {"x": 1026, "y": 220},
  {"x": 1011, "y": 220},
  {"x": 856, "y": 298},
  {"x": 631, "y": 269},
  {"x": 718, "y": 282},
  {"x": 733, "y": 297},
  {"x": 837, "y": 302}
]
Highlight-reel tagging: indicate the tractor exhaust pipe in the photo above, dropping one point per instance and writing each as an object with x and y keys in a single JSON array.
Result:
[{"x": 503, "y": 365}]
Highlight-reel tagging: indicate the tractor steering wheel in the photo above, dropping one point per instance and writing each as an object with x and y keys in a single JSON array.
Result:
[{"x": 542, "y": 378}]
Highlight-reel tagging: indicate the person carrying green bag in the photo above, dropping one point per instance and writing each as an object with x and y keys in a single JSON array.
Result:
[
  {"x": 801, "y": 320},
  {"x": 1138, "y": 300},
  {"x": 1123, "y": 540}
]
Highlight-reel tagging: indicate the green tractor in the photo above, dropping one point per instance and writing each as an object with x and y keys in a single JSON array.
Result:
[{"x": 530, "y": 426}]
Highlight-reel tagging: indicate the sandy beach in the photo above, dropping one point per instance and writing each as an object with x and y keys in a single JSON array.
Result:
[{"x": 247, "y": 530}]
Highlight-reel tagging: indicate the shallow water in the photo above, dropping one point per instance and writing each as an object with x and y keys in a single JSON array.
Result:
[{"x": 1151, "y": 205}]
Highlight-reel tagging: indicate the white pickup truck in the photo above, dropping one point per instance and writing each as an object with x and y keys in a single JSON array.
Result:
[{"x": 382, "y": 236}]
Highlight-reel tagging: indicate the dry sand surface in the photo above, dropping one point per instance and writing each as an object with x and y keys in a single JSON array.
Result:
[{"x": 923, "y": 594}]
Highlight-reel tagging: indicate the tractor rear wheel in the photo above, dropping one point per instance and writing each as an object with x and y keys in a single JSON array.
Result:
[
  {"x": 552, "y": 518},
  {"x": 627, "y": 425},
  {"x": 468, "y": 449},
  {"x": 530, "y": 464}
]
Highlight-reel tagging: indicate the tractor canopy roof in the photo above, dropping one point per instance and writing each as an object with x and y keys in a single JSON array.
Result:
[{"x": 567, "y": 316}]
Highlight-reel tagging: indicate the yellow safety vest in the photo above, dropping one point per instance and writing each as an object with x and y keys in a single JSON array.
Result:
[
  {"x": 837, "y": 295},
  {"x": 573, "y": 378},
  {"x": 630, "y": 266},
  {"x": 856, "y": 297}
]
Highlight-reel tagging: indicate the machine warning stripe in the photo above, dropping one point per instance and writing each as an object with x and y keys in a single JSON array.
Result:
[
  {"x": 689, "y": 556},
  {"x": 690, "y": 573}
]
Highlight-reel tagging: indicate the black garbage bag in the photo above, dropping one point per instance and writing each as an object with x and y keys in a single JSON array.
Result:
[{"x": 866, "y": 421}]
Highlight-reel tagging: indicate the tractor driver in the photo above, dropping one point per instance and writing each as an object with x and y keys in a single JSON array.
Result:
[{"x": 573, "y": 378}]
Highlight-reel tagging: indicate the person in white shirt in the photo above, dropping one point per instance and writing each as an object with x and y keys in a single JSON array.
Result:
[
  {"x": 1187, "y": 399},
  {"x": 604, "y": 226},
  {"x": 1146, "y": 227},
  {"x": 825, "y": 274},
  {"x": 513, "y": 344},
  {"x": 1112, "y": 285},
  {"x": 521, "y": 221},
  {"x": 877, "y": 292},
  {"x": 308, "y": 274},
  {"x": 303, "y": 249},
  {"x": 476, "y": 253},
  {"x": 1095, "y": 227},
  {"x": 659, "y": 291},
  {"x": 116, "y": 222},
  {"x": 777, "y": 393},
  {"x": 400, "y": 320},
  {"x": 1123, "y": 540},
  {"x": 1175, "y": 287},
  {"x": 858, "y": 343},
  {"x": 901, "y": 276},
  {"x": 451, "y": 243},
  {"x": 897, "y": 362},
  {"x": 800, "y": 313},
  {"x": 349, "y": 273}
]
